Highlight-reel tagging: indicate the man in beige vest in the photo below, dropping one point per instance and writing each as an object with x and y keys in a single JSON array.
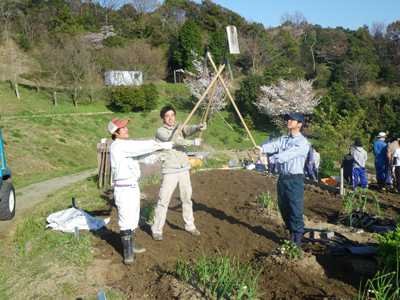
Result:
[{"x": 175, "y": 172}]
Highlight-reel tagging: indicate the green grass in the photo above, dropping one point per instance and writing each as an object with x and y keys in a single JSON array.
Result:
[{"x": 34, "y": 251}]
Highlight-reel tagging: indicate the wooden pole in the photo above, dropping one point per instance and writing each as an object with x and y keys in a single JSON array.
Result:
[
  {"x": 233, "y": 103},
  {"x": 208, "y": 107},
  {"x": 341, "y": 189},
  {"x": 102, "y": 164},
  {"x": 198, "y": 103}
]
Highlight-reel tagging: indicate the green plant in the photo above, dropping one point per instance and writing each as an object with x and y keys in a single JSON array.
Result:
[
  {"x": 387, "y": 250},
  {"x": 380, "y": 286},
  {"x": 289, "y": 250},
  {"x": 268, "y": 201},
  {"x": 222, "y": 275},
  {"x": 352, "y": 204},
  {"x": 128, "y": 98},
  {"x": 151, "y": 96},
  {"x": 153, "y": 179},
  {"x": 147, "y": 210}
]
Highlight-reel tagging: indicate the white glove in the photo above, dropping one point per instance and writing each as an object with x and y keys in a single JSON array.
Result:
[
  {"x": 197, "y": 142},
  {"x": 258, "y": 150},
  {"x": 272, "y": 160},
  {"x": 264, "y": 160},
  {"x": 162, "y": 156},
  {"x": 201, "y": 127},
  {"x": 167, "y": 145}
]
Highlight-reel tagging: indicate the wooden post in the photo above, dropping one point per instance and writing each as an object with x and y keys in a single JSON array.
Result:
[{"x": 341, "y": 192}]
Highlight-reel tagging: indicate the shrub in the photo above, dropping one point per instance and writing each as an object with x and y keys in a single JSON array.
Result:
[
  {"x": 151, "y": 96},
  {"x": 327, "y": 167},
  {"x": 388, "y": 249},
  {"x": 128, "y": 98}
]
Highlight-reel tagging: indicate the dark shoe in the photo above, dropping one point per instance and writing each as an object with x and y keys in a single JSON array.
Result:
[
  {"x": 157, "y": 237},
  {"x": 135, "y": 248},
  {"x": 291, "y": 237},
  {"x": 126, "y": 237},
  {"x": 297, "y": 239},
  {"x": 194, "y": 232}
]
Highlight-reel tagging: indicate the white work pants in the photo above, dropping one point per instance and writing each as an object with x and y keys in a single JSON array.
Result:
[
  {"x": 169, "y": 183},
  {"x": 127, "y": 200}
]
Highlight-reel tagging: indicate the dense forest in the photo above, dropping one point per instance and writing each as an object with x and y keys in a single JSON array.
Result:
[{"x": 75, "y": 42}]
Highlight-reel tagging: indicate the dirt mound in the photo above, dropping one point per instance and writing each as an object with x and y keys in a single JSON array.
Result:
[{"x": 229, "y": 221}]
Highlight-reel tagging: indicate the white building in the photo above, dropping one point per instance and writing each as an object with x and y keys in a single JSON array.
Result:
[{"x": 123, "y": 78}]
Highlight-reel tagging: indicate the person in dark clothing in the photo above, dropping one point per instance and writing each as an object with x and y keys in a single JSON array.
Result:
[
  {"x": 347, "y": 166},
  {"x": 308, "y": 165}
]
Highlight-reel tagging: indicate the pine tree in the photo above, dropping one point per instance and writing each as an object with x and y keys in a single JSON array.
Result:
[{"x": 189, "y": 39}]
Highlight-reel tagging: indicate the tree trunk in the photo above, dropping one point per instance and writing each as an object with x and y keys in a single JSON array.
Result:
[
  {"x": 75, "y": 98},
  {"x": 91, "y": 94},
  {"x": 12, "y": 64},
  {"x": 55, "y": 98}
]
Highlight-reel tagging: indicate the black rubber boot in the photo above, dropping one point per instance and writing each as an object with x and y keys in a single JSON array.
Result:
[
  {"x": 291, "y": 237},
  {"x": 127, "y": 241},
  {"x": 297, "y": 239},
  {"x": 135, "y": 248}
]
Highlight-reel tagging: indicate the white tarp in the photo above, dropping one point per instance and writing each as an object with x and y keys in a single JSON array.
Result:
[{"x": 66, "y": 220}]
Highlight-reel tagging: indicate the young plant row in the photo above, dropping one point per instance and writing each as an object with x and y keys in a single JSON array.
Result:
[{"x": 221, "y": 275}]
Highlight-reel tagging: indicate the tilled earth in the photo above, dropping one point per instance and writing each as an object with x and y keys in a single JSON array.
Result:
[{"x": 230, "y": 221}]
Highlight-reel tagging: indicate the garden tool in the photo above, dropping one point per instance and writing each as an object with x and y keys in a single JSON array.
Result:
[{"x": 232, "y": 101}]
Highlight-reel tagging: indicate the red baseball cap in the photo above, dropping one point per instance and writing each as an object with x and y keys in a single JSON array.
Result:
[{"x": 115, "y": 124}]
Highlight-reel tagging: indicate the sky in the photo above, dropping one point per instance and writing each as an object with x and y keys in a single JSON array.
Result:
[{"x": 351, "y": 14}]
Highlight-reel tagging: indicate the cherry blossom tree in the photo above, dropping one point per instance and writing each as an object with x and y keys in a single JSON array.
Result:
[
  {"x": 96, "y": 39},
  {"x": 197, "y": 84},
  {"x": 287, "y": 97}
]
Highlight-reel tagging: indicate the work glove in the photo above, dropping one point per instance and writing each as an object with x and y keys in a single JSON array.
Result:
[
  {"x": 258, "y": 150},
  {"x": 201, "y": 127},
  {"x": 197, "y": 142},
  {"x": 264, "y": 160},
  {"x": 162, "y": 156},
  {"x": 167, "y": 145},
  {"x": 272, "y": 160}
]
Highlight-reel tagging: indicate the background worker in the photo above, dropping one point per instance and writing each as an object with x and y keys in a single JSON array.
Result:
[
  {"x": 347, "y": 165},
  {"x": 175, "y": 172},
  {"x": 271, "y": 166},
  {"x": 380, "y": 149},
  {"x": 359, "y": 159},
  {"x": 392, "y": 145},
  {"x": 291, "y": 151},
  {"x": 316, "y": 161},
  {"x": 396, "y": 156},
  {"x": 308, "y": 164},
  {"x": 125, "y": 156}
]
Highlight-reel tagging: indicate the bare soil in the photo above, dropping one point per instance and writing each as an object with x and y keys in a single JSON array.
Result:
[{"x": 229, "y": 220}]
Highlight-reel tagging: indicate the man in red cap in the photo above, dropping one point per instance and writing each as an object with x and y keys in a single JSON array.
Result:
[{"x": 125, "y": 156}]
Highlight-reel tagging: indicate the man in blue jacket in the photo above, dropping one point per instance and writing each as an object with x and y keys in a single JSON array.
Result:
[
  {"x": 290, "y": 155},
  {"x": 380, "y": 149}
]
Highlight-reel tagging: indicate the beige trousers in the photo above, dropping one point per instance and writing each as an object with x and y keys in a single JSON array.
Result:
[{"x": 169, "y": 183}]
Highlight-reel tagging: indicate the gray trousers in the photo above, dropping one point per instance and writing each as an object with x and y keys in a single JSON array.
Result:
[{"x": 169, "y": 183}]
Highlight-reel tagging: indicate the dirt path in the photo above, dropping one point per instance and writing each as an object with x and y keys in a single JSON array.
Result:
[{"x": 31, "y": 195}]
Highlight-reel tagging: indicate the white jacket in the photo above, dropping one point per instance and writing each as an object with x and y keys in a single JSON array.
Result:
[{"x": 126, "y": 155}]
